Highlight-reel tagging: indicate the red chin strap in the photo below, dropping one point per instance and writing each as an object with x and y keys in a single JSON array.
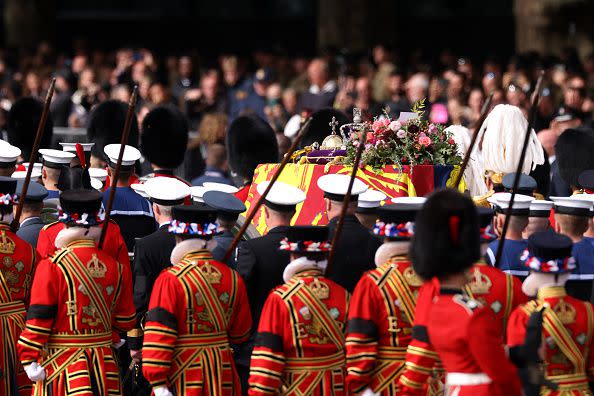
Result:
[
  {"x": 454, "y": 229},
  {"x": 80, "y": 153}
]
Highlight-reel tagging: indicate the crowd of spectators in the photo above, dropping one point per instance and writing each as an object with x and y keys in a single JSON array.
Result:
[{"x": 278, "y": 86}]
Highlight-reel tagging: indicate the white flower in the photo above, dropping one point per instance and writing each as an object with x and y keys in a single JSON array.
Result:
[
  {"x": 394, "y": 126},
  {"x": 401, "y": 133}
]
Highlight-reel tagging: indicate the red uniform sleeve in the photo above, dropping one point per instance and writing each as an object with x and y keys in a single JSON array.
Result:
[
  {"x": 41, "y": 313},
  {"x": 421, "y": 358},
  {"x": 268, "y": 358},
  {"x": 120, "y": 250},
  {"x": 160, "y": 335},
  {"x": 241, "y": 318},
  {"x": 362, "y": 334},
  {"x": 490, "y": 354},
  {"x": 516, "y": 327},
  {"x": 45, "y": 246},
  {"x": 124, "y": 315}
]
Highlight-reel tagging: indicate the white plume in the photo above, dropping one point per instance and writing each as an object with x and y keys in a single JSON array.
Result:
[
  {"x": 473, "y": 174},
  {"x": 504, "y": 130}
]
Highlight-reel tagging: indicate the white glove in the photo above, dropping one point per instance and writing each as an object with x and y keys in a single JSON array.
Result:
[
  {"x": 368, "y": 392},
  {"x": 162, "y": 391},
  {"x": 35, "y": 372}
]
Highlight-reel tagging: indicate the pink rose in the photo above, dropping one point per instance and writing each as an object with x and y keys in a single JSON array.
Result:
[
  {"x": 394, "y": 126},
  {"x": 401, "y": 133},
  {"x": 377, "y": 125},
  {"x": 432, "y": 128},
  {"x": 424, "y": 140},
  {"x": 385, "y": 122}
]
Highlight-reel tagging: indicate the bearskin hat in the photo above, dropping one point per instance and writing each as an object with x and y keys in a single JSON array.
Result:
[
  {"x": 74, "y": 178},
  {"x": 446, "y": 239},
  {"x": 23, "y": 119},
  {"x": 250, "y": 142},
  {"x": 319, "y": 126},
  {"x": 164, "y": 137},
  {"x": 106, "y": 124},
  {"x": 574, "y": 150}
]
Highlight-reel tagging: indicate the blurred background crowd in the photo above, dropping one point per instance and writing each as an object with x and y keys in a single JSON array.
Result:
[{"x": 277, "y": 86}]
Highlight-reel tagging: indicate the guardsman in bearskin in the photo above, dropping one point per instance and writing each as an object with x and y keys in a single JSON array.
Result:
[
  {"x": 299, "y": 348},
  {"x": 22, "y": 122},
  {"x": 488, "y": 285},
  {"x": 317, "y": 129},
  {"x": 80, "y": 296},
  {"x": 566, "y": 322},
  {"x": 16, "y": 275},
  {"x": 164, "y": 141},
  {"x": 463, "y": 332},
  {"x": 198, "y": 307},
  {"x": 381, "y": 311},
  {"x": 250, "y": 141},
  {"x": 105, "y": 126},
  {"x": 114, "y": 245}
]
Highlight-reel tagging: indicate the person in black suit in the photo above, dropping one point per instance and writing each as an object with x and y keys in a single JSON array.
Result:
[
  {"x": 228, "y": 209},
  {"x": 356, "y": 247},
  {"x": 261, "y": 263},
  {"x": 152, "y": 253},
  {"x": 30, "y": 220}
]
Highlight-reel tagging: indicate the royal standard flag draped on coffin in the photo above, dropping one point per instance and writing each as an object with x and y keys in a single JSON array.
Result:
[{"x": 392, "y": 181}]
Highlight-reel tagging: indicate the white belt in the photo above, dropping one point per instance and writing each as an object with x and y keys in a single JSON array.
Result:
[{"x": 466, "y": 379}]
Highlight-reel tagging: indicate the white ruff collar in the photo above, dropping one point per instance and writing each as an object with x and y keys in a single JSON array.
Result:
[
  {"x": 302, "y": 264},
  {"x": 389, "y": 250},
  {"x": 536, "y": 281},
  {"x": 71, "y": 234},
  {"x": 190, "y": 245}
]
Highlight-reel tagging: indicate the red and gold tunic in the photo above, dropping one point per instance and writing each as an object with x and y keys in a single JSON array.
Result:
[
  {"x": 114, "y": 244},
  {"x": 567, "y": 336},
  {"x": 16, "y": 276},
  {"x": 380, "y": 326},
  {"x": 79, "y": 297},
  {"x": 490, "y": 286},
  {"x": 197, "y": 307},
  {"x": 299, "y": 348},
  {"x": 467, "y": 338}
]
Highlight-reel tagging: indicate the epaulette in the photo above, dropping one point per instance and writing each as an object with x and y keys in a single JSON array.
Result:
[
  {"x": 285, "y": 291},
  {"x": 45, "y": 227},
  {"x": 467, "y": 303},
  {"x": 59, "y": 254}
]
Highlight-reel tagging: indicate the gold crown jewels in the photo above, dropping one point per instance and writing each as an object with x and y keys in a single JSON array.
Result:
[
  {"x": 565, "y": 312},
  {"x": 211, "y": 273},
  {"x": 319, "y": 289},
  {"x": 7, "y": 245},
  {"x": 480, "y": 283},
  {"x": 96, "y": 268}
]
